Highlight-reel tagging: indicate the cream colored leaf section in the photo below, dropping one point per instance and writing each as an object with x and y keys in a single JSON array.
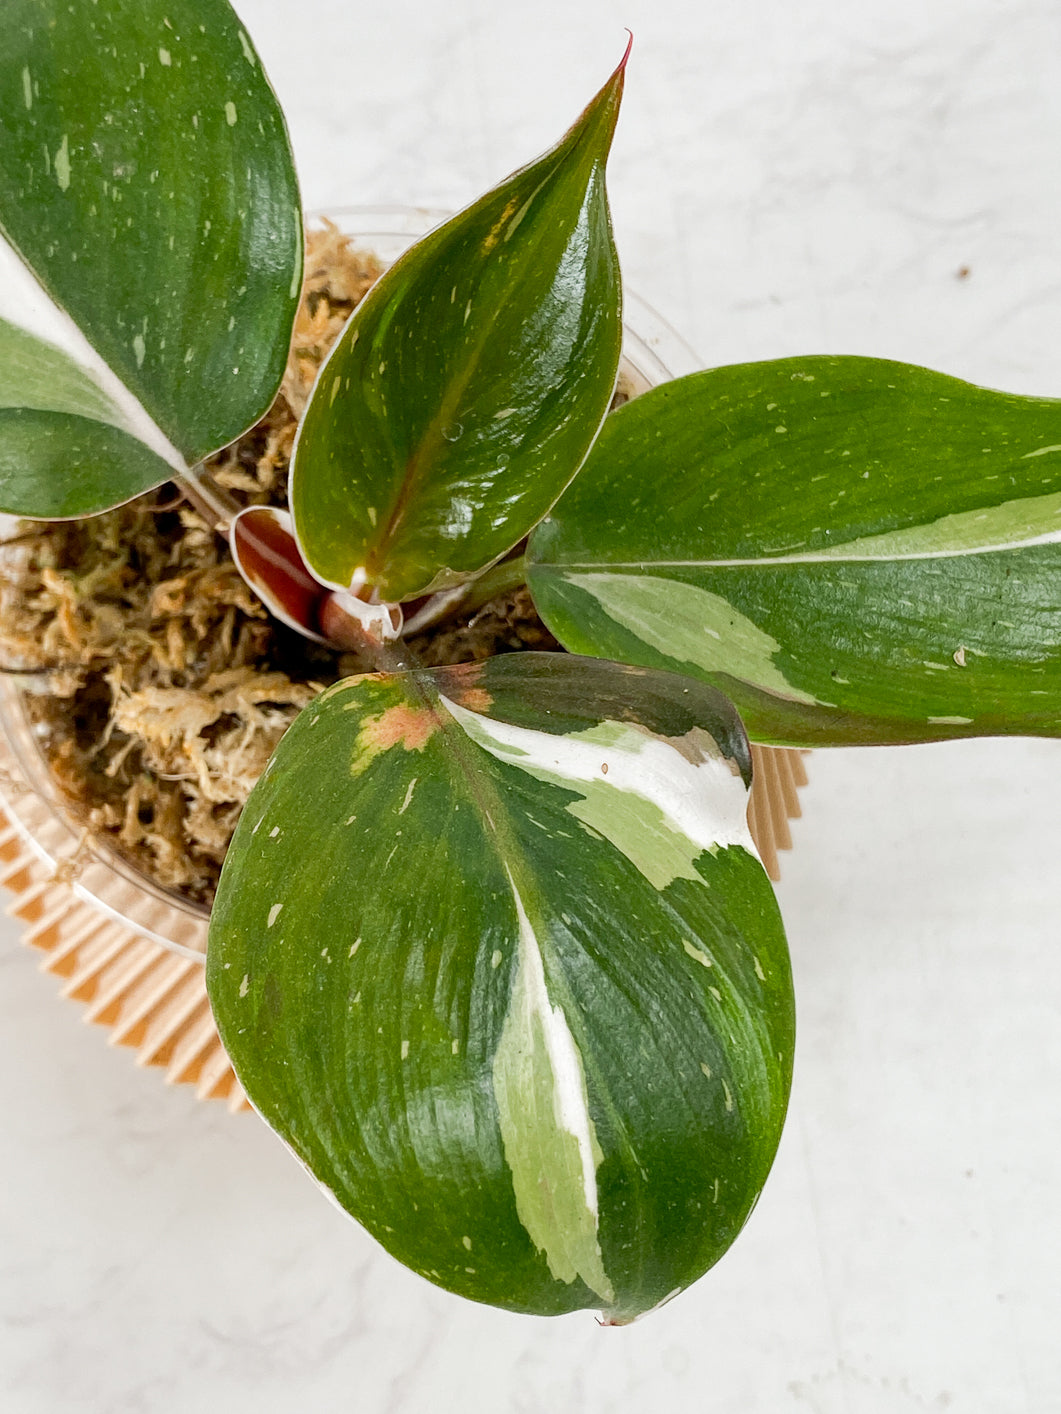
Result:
[
  {"x": 661, "y": 801},
  {"x": 27, "y": 306},
  {"x": 548, "y": 1136},
  {"x": 691, "y": 625},
  {"x": 1011, "y": 525},
  {"x": 37, "y": 375}
]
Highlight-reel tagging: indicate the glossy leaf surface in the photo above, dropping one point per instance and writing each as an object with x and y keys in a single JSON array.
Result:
[
  {"x": 469, "y": 384},
  {"x": 493, "y": 954},
  {"x": 151, "y": 216},
  {"x": 855, "y": 551}
]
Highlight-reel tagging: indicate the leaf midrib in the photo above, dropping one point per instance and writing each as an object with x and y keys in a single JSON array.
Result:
[
  {"x": 420, "y": 461},
  {"x": 417, "y": 464}
]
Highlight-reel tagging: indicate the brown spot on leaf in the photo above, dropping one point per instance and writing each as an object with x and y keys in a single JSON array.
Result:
[
  {"x": 402, "y": 725},
  {"x": 475, "y": 699},
  {"x": 462, "y": 686},
  {"x": 698, "y": 746},
  {"x": 494, "y": 234}
]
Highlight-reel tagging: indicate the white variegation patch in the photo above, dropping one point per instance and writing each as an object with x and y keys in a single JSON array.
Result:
[
  {"x": 548, "y": 1134},
  {"x": 25, "y": 304},
  {"x": 702, "y": 800}
]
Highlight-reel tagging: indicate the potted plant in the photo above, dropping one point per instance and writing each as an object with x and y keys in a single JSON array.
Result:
[{"x": 492, "y": 951}]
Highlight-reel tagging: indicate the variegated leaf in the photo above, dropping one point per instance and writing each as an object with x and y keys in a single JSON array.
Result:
[
  {"x": 469, "y": 384},
  {"x": 855, "y": 551},
  {"x": 493, "y": 953},
  {"x": 61, "y": 437},
  {"x": 150, "y": 244}
]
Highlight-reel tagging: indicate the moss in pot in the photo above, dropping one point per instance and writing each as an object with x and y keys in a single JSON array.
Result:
[
  {"x": 491, "y": 949},
  {"x": 159, "y": 683}
]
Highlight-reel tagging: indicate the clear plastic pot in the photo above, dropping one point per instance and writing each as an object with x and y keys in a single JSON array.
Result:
[{"x": 652, "y": 353}]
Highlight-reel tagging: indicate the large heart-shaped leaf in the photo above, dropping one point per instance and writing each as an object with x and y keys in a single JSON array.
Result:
[
  {"x": 153, "y": 236},
  {"x": 470, "y": 383},
  {"x": 493, "y": 953},
  {"x": 853, "y": 550}
]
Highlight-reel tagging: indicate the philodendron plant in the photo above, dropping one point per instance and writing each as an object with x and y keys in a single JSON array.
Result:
[{"x": 492, "y": 950}]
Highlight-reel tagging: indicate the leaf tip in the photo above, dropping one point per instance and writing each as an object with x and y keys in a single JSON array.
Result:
[
  {"x": 626, "y": 54},
  {"x": 608, "y": 97},
  {"x": 613, "y": 88}
]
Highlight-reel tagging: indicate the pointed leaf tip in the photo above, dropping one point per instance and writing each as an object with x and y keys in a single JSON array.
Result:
[
  {"x": 468, "y": 387},
  {"x": 857, "y": 551},
  {"x": 605, "y": 101}
]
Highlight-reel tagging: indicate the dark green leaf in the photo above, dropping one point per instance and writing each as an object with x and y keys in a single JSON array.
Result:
[
  {"x": 55, "y": 466},
  {"x": 470, "y": 383},
  {"x": 146, "y": 181},
  {"x": 492, "y": 952},
  {"x": 853, "y": 550}
]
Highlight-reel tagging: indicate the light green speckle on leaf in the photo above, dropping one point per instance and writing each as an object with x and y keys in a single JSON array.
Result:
[
  {"x": 230, "y": 113},
  {"x": 62, "y": 164},
  {"x": 697, "y": 953}
]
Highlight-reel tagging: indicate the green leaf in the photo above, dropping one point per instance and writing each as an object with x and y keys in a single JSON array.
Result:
[
  {"x": 855, "y": 551},
  {"x": 60, "y": 435},
  {"x": 494, "y": 955},
  {"x": 152, "y": 228},
  {"x": 470, "y": 383}
]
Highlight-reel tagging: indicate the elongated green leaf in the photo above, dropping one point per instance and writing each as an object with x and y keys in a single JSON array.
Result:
[
  {"x": 468, "y": 386},
  {"x": 493, "y": 953},
  {"x": 151, "y": 226},
  {"x": 855, "y": 551}
]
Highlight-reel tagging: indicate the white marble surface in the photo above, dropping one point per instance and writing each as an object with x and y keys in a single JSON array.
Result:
[{"x": 786, "y": 178}]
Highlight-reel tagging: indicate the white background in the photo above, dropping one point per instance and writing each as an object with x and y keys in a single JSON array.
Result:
[{"x": 787, "y": 178}]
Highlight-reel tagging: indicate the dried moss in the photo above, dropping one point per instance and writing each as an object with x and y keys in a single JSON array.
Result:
[{"x": 161, "y": 684}]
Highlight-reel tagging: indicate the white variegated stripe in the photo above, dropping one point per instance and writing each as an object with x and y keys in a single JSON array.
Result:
[
  {"x": 558, "y": 1207},
  {"x": 24, "y": 303},
  {"x": 705, "y": 801},
  {"x": 571, "y": 1108},
  {"x": 949, "y": 537}
]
